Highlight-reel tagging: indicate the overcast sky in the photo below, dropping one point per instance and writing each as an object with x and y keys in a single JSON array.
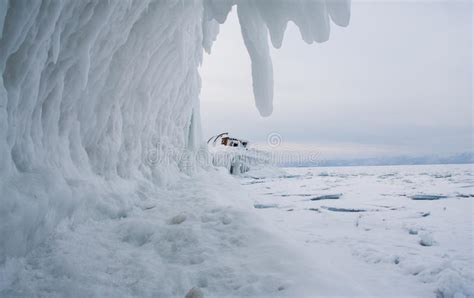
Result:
[{"x": 397, "y": 81}]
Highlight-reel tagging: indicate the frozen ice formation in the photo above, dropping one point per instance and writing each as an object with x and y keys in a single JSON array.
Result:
[
  {"x": 94, "y": 94},
  {"x": 258, "y": 17}
]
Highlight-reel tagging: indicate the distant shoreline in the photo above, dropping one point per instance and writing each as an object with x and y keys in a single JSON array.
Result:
[{"x": 373, "y": 165}]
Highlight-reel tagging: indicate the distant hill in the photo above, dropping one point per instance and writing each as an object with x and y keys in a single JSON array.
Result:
[{"x": 462, "y": 158}]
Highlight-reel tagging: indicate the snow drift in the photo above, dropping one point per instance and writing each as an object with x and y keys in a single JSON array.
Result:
[{"x": 98, "y": 97}]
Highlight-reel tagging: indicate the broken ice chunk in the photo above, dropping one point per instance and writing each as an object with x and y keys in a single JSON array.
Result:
[
  {"x": 334, "y": 209},
  {"x": 327, "y": 197},
  {"x": 427, "y": 197},
  {"x": 264, "y": 206}
]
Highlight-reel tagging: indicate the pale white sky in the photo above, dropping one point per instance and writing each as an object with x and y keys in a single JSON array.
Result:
[{"x": 397, "y": 81}]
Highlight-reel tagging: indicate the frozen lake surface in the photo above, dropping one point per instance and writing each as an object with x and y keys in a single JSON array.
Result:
[
  {"x": 300, "y": 232},
  {"x": 389, "y": 227}
]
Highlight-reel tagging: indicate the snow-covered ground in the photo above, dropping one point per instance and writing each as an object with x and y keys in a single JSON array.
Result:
[
  {"x": 294, "y": 232},
  {"x": 397, "y": 229},
  {"x": 202, "y": 231}
]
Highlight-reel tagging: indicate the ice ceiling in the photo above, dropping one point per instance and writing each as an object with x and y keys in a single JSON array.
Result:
[{"x": 87, "y": 87}]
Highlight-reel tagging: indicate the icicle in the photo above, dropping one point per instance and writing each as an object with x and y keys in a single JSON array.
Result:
[{"x": 254, "y": 33}]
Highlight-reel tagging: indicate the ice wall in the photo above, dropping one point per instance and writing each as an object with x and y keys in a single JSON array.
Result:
[
  {"x": 91, "y": 91},
  {"x": 95, "y": 93}
]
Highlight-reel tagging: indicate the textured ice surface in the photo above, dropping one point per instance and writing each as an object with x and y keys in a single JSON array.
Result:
[
  {"x": 397, "y": 245},
  {"x": 93, "y": 92}
]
